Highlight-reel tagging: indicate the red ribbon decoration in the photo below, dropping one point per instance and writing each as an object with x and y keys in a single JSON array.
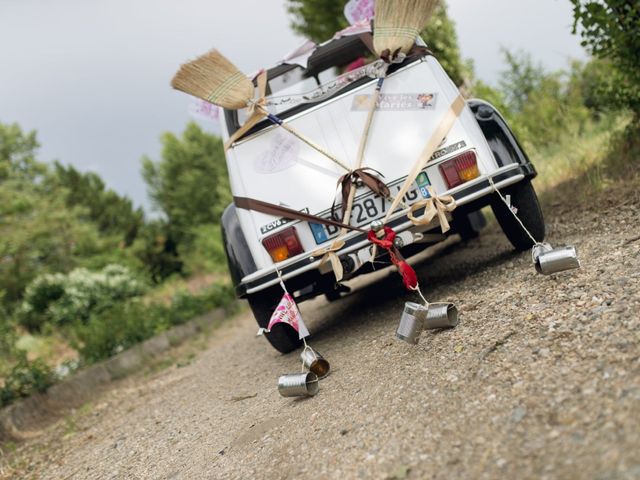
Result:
[{"x": 409, "y": 277}]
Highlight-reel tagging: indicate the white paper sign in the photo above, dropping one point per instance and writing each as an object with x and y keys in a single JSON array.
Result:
[
  {"x": 282, "y": 154},
  {"x": 358, "y": 10},
  {"x": 204, "y": 110}
]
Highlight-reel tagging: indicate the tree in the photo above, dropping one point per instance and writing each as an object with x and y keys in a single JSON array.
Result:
[
  {"x": 189, "y": 184},
  {"x": 111, "y": 213},
  {"x": 320, "y": 19},
  {"x": 610, "y": 29},
  {"x": 520, "y": 79},
  {"x": 156, "y": 248},
  {"x": 39, "y": 231},
  {"x": 317, "y": 19},
  {"x": 18, "y": 154},
  {"x": 541, "y": 106}
]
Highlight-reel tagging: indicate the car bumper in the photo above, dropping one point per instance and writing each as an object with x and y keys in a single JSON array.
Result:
[{"x": 475, "y": 193}]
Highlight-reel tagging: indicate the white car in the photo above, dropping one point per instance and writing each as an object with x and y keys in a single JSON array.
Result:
[{"x": 270, "y": 164}]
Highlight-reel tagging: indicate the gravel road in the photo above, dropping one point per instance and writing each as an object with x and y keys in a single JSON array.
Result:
[{"x": 541, "y": 379}]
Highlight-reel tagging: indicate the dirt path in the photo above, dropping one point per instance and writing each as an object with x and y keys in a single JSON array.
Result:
[{"x": 541, "y": 379}]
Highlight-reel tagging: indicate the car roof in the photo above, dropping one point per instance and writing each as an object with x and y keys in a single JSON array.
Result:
[{"x": 333, "y": 53}]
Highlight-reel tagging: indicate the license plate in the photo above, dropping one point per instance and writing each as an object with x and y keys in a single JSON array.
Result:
[{"x": 369, "y": 207}]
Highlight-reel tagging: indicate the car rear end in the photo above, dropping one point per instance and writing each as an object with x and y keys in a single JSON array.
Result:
[{"x": 272, "y": 165}]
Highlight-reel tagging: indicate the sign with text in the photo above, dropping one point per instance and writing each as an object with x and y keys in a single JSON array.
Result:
[{"x": 396, "y": 101}]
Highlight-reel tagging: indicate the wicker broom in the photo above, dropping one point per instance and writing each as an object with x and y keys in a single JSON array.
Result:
[
  {"x": 398, "y": 23},
  {"x": 215, "y": 79}
]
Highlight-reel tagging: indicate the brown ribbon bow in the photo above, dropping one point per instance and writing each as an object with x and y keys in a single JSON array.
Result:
[
  {"x": 394, "y": 57},
  {"x": 433, "y": 206},
  {"x": 348, "y": 181},
  {"x": 255, "y": 109}
]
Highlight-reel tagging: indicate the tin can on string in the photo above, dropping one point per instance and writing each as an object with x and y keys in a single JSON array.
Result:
[
  {"x": 441, "y": 315},
  {"x": 298, "y": 385},
  {"x": 411, "y": 322},
  {"x": 315, "y": 363},
  {"x": 549, "y": 260}
]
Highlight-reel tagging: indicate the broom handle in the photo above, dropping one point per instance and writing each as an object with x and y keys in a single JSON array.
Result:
[
  {"x": 361, "y": 149},
  {"x": 311, "y": 143}
]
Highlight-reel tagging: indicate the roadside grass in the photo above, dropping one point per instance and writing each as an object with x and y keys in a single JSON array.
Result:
[
  {"x": 582, "y": 154},
  {"x": 41, "y": 358},
  {"x": 15, "y": 458},
  {"x": 605, "y": 154}
]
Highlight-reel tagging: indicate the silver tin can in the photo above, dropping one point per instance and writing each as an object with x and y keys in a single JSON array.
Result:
[
  {"x": 441, "y": 315},
  {"x": 298, "y": 385},
  {"x": 314, "y": 362},
  {"x": 556, "y": 260},
  {"x": 411, "y": 323},
  {"x": 538, "y": 249}
]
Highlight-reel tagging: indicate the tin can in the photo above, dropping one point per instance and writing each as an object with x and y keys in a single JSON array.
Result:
[
  {"x": 298, "y": 385},
  {"x": 441, "y": 315},
  {"x": 556, "y": 260},
  {"x": 538, "y": 249},
  {"x": 314, "y": 362},
  {"x": 411, "y": 323}
]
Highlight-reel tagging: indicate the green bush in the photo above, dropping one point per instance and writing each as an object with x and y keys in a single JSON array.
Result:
[
  {"x": 203, "y": 252},
  {"x": 157, "y": 249},
  {"x": 543, "y": 107},
  {"x": 185, "y": 306},
  {"x": 25, "y": 378},
  {"x": 109, "y": 331},
  {"x": 112, "y": 330},
  {"x": 59, "y": 299}
]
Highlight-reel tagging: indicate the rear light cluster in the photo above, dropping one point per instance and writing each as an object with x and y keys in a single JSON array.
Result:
[
  {"x": 283, "y": 245},
  {"x": 460, "y": 169}
]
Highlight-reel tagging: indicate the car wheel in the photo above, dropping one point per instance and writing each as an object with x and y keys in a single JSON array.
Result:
[
  {"x": 524, "y": 198},
  {"x": 468, "y": 225},
  {"x": 337, "y": 292},
  {"x": 282, "y": 337}
]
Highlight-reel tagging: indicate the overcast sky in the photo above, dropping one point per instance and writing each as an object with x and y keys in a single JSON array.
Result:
[{"x": 92, "y": 76}]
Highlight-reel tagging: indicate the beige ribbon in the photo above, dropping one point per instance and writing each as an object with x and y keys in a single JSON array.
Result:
[
  {"x": 255, "y": 108},
  {"x": 329, "y": 255},
  {"x": 433, "y": 206},
  {"x": 338, "y": 243},
  {"x": 436, "y": 139}
]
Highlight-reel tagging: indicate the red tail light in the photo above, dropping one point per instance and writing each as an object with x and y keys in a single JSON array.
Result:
[
  {"x": 460, "y": 169},
  {"x": 283, "y": 245}
]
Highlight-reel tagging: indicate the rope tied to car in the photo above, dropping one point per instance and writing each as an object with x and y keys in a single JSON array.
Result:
[
  {"x": 433, "y": 206},
  {"x": 438, "y": 135},
  {"x": 257, "y": 111},
  {"x": 511, "y": 209},
  {"x": 383, "y": 238}
]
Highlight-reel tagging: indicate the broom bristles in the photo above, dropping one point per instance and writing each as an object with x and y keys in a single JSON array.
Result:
[
  {"x": 215, "y": 79},
  {"x": 399, "y": 22}
]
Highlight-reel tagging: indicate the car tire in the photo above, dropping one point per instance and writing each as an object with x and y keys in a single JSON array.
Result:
[
  {"x": 524, "y": 198},
  {"x": 468, "y": 225},
  {"x": 282, "y": 337}
]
